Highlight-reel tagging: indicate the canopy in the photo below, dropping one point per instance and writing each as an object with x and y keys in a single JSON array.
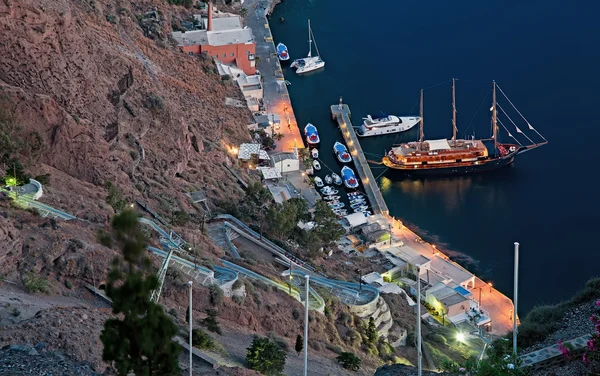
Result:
[
  {"x": 438, "y": 145},
  {"x": 356, "y": 219}
]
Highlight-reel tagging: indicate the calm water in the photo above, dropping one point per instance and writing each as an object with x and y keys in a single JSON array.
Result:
[{"x": 544, "y": 55}]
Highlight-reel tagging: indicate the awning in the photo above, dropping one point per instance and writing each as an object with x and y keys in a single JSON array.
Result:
[
  {"x": 438, "y": 145},
  {"x": 356, "y": 219}
]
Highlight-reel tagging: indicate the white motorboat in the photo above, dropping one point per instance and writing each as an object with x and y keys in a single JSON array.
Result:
[
  {"x": 341, "y": 152},
  {"x": 357, "y": 205},
  {"x": 367, "y": 213},
  {"x": 356, "y": 193},
  {"x": 337, "y": 206},
  {"x": 318, "y": 181},
  {"x": 316, "y": 165},
  {"x": 328, "y": 179},
  {"x": 311, "y": 134},
  {"x": 349, "y": 177},
  {"x": 331, "y": 198},
  {"x": 309, "y": 63},
  {"x": 336, "y": 178},
  {"x": 359, "y": 201},
  {"x": 329, "y": 191},
  {"x": 282, "y": 52},
  {"x": 314, "y": 153},
  {"x": 386, "y": 124}
]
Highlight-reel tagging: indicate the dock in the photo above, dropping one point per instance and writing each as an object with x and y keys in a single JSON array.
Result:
[{"x": 341, "y": 113}]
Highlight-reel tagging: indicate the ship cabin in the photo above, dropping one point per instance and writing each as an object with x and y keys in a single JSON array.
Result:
[{"x": 438, "y": 152}]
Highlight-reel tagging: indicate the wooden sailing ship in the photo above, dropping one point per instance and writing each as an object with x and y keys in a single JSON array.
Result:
[{"x": 459, "y": 156}]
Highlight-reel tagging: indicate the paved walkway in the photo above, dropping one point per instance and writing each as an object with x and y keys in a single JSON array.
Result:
[
  {"x": 542, "y": 356},
  {"x": 493, "y": 301},
  {"x": 276, "y": 96}
]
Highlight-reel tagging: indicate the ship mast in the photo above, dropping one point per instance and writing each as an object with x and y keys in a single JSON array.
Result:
[
  {"x": 454, "y": 129},
  {"x": 309, "y": 41},
  {"x": 494, "y": 118},
  {"x": 421, "y": 124}
]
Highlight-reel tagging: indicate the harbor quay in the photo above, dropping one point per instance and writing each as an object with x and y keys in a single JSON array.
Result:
[
  {"x": 495, "y": 308},
  {"x": 275, "y": 96}
]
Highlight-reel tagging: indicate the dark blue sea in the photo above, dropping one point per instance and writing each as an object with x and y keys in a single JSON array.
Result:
[{"x": 543, "y": 54}]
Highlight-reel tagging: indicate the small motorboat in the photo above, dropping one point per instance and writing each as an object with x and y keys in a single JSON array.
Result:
[
  {"x": 341, "y": 152},
  {"x": 349, "y": 177},
  {"x": 360, "y": 201},
  {"x": 328, "y": 179},
  {"x": 287, "y": 83},
  {"x": 311, "y": 134},
  {"x": 338, "y": 205},
  {"x": 316, "y": 165},
  {"x": 356, "y": 198},
  {"x": 314, "y": 153},
  {"x": 336, "y": 178},
  {"x": 355, "y": 194},
  {"x": 318, "y": 181},
  {"x": 357, "y": 205},
  {"x": 282, "y": 52},
  {"x": 367, "y": 213},
  {"x": 360, "y": 209},
  {"x": 329, "y": 191},
  {"x": 331, "y": 198}
]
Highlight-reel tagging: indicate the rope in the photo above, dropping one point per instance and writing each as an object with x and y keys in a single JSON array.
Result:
[
  {"x": 436, "y": 85},
  {"x": 509, "y": 134},
  {"x": 381, "y": 174},
  {"x": 476, "y": 112},
  {"x": 519, "y": 112},
  {"x": 517, "y": 128}
]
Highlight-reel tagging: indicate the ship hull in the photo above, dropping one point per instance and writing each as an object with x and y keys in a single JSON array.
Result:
[{"x": 483, "y": 166}]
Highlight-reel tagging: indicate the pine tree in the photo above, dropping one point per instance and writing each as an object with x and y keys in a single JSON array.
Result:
[
  {"x": 372, "y": 331},
  {"x": 140, "y": 340},
  {"x": 265, "y": 356},
  {"x": 299, "y": 344}
]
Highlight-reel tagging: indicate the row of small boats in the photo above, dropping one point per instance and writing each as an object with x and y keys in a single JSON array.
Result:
[
  {"x": 339, "y": 149},
  {"x": 358, "y": 202},
  {"x": 348, "y": 178}
]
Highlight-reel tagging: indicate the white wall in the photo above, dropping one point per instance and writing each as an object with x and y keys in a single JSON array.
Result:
[{"x": 288, "y": 165}]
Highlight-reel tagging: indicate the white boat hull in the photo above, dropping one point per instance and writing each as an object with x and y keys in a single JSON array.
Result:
[{"x": 407, "y": 122}]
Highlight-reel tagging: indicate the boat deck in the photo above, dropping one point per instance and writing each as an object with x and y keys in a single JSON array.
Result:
[{"x": 341, "y": 113}]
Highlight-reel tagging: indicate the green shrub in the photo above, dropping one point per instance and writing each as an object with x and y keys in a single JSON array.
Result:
[
  {"x": 438, "y": 338},
  {"x": 34, "y": 283},
  {"x": 43, "y": 179},
  {"x": 133, "y": 154},
  {"x": 154, "y": 102},
  {"x": 265, "y": 356},
  {"x": 237, "y": 284},
  {"x": 211, "y": 322},
  {"x": 180, "y": 218},
  {"x": 202, "y": 340},
  {"x": 239, "y": 299},
  {"x": 335, "y": 348},
  {"x": 349, "y": 361},
  {"x": 295, "y": 314},
  {"x": 68, "y": 285},
  {"x": 216, "y": 295}
]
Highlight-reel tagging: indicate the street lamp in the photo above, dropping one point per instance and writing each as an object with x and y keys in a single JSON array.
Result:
[
  {"x": 191, "y": 320},
  {"x": 490, "y": 283}
]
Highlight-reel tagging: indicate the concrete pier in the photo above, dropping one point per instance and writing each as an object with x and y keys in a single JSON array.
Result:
[{"x": 341, "y": 113}]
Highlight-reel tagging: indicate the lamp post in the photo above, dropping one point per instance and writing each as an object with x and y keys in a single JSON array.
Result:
[
  {"x": 419, "y": 367},
  {"x": 191, "y": 320},
  {"x": 306, "y": 286},
  {"x": 490, "y": 283},
  {"x": 359, "y": 271},
  {"x": 516, "y": 291}
]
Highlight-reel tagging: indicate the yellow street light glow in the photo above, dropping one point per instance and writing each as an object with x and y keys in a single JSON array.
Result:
[{"x": 11, "y": 182}]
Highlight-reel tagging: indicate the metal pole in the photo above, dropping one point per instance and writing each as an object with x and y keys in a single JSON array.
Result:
[
  {"x": 306, "y": 286},
  {"x": 515, "y": 298},
  {"x": 419, "y": 322},
  {"x": 191, "y": 320},
  {"x": 480, "y": 296}
]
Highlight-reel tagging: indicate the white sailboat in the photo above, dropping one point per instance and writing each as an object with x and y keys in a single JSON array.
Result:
[{"x": 309, "y": 63}]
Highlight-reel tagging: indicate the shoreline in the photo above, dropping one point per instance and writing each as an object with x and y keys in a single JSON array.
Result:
[{"x": 497, "y": 305}]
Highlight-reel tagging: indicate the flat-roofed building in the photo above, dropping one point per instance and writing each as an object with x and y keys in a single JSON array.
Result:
[{"x": 224, "y": 39}]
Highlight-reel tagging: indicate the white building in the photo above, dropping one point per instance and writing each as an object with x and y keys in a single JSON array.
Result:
[{"x": 285, "y": 162}]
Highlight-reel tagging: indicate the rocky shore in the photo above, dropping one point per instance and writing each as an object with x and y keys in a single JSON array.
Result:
[{"x": 27, "y": 359}]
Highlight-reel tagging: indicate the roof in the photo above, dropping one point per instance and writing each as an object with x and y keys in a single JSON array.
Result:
[
  {"x": 419, "y": 260},
  {"x": 248, "y": 150},
  {"x": 451, "y": 270},
  {"x": 372, "y": 277},
  {"x": 270, "y": 173},
  {"x": 197, "y": 196},
  {"x": 438, "y": 144},
  {"x": 356, "y": 219},
  {"x": 214, "y": 38},
  {"x": 280, "y": 193},
  {"x": 226, "y": 23},
  {"x": 453, "y": 300},
  {"x": 282, "y": 156},
  {"x": 224, "y": 38}
]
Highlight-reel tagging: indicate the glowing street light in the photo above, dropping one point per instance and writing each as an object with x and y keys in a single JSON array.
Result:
[
  {"x": 490, "y": 283},
  {"x": 460, "y": 337},
  {"x": 11, "y": 182}
]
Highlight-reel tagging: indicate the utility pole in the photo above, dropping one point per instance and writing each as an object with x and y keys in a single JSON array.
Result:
[
  {"x": 306, "y": 286},
  {"x": 191, "y": 320},
  {"x": 419, "y": 354},
  {"x": 291, "y": 276},
  {"x": 515, "y": 298}
]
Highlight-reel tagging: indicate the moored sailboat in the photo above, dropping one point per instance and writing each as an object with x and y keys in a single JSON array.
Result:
[
  {"x": 309, "y": 63},
  {"x": 460, "y": 156}
]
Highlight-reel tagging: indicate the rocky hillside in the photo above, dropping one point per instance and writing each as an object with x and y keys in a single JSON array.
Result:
[{"x": 94, "y": 92}]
